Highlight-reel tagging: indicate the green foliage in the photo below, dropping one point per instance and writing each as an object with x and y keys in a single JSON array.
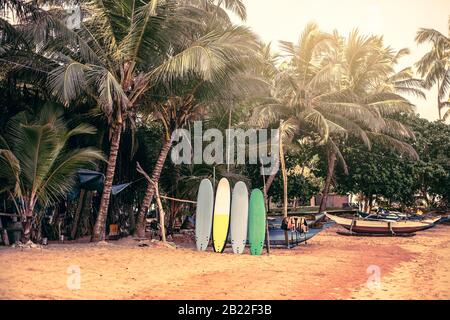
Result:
[
  {"x": 433, "y": 171},
  {"x": 385, "y": 173},
  {"x": 35, "y": 164},
  {"x": 377, "y": 172},
  {"x": 299, "y": 187}
]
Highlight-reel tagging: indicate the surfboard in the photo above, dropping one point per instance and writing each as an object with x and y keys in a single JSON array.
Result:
[
  {"x": 239, "y": 217},
  {"x": 256, "y": 222},
  {"x": 204, "y": 214},
  {"x": 221, "y": 216}
]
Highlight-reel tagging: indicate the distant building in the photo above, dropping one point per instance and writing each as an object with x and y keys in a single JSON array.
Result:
[{"x": 334, "y": 200}]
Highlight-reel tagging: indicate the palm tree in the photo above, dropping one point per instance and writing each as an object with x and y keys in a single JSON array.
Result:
[
  {"x": 36, "y": 167},
  {"x": 192, "y": 104},
  {"x": 332, "y": 85},
  {"x": 173, "y": 114},
  {"x": 192, "y": 95},
  {"x": 434, "y": 66},
  {"x": 123, "y": 50}
]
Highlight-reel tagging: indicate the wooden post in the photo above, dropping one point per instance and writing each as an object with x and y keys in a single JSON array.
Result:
[
  {"x": 265, "y": 201},
  {"x": 76, "y": 218},
  {"x": 228, "y": 142},
  {"x": 285, "y": 183},
  {"x": 4, "y": 234},
  {"x": 162, "y": 214},
  {"x": 158, "y": 200}
]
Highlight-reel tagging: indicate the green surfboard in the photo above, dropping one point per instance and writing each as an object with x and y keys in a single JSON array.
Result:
[{"x": 256, "y": 222}]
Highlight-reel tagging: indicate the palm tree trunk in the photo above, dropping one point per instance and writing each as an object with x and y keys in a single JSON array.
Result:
[
  {"x": 27, "y": 225},
  {"x": 99, "y": 227},
  {"x": 366, "y": 204},
  {"x": 330, "y": 172},
  {"x": 149, "y": 193},
  {"x": 438, "y": 101},
  {"x": 27, "y": 222},
  {"x": 271, "y": 178},
  {"x": 369, "y": 209},
  {"x": 76, "y": 218}
]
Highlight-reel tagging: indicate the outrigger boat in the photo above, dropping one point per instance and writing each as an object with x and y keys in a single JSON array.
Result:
[
  {"x": 384, "y": 215},
  {"x": 296, "y": 235},
  {"x": 382, "y": 226}
]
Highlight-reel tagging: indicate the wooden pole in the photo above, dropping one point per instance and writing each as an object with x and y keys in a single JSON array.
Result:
[
  {"x": 76, "y": 218},
  {"x": 162, "y": 214},
  {"x": 179, "y": 200},
  {"x": 228, "y": 141},
  {"x": 4, "y": 234},
  {"x": 265, "y": 201},
  {"x": 158, "y": 200},
  {"x": 9, "y": 215},
  {"x": 283, "y": 172}
]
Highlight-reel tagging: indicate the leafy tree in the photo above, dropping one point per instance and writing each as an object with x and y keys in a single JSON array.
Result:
[
  {"x": 384, "y": 173},
  {"x": 379, "y": 172},
  {"x": 433, "y": 170},
  {"x": 302, "y": 182}
]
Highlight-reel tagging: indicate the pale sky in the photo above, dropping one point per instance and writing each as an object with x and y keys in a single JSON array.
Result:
[{"x": 397, "y": 20}]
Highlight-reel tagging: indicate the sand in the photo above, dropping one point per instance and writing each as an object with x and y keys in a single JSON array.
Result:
[{"x": 330, "y": 266}]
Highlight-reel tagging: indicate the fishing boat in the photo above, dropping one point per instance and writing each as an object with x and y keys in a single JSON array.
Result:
[
  {"x": 398, "y": 216},
  {"x": 295, "y": 236},
  {"x": 382, "y": 226},
  {"x": 277, "y": 237},
  {"x": 383, "y": 214}
]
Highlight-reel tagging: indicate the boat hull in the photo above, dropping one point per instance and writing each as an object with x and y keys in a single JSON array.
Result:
[
  {"x": 381, "y": 226},
  {"x": 384, "y": 230},
  {"x": 277, "y": 237}
]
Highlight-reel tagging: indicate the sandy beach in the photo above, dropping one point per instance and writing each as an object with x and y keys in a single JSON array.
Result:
[{"x": 330, "y": 266}]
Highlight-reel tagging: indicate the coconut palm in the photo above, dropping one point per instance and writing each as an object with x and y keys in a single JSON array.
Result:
[
  {"x": 402, "y": 82},
  {"x": 434, "y": 66},
  {"x": 173, "y": 114},
  {"x": 36, "y": 167},
  {"x": 192, "y": 99},
  {"x": 126, "y": 48},
  {"x": 332, "y": 85},
  {"x": 218, "y": 8}
]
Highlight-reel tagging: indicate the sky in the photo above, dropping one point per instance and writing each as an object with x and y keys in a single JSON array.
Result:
[{"x": 397, "y": 20}]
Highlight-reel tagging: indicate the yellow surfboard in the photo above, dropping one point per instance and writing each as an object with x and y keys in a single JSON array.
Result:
[{"x": 221, "y": 217}]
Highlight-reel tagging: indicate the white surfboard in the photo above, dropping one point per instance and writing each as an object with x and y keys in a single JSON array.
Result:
[
  {"x": 221, "y": 217},
  {"x": 239, "y": 217},
  {"x": 204, "y": 214}
]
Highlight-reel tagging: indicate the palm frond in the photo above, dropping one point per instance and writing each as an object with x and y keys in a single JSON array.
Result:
[
  {"x": 237, "y": 7},
  {"x": 444, "y": 88},
  {"x": 9, "y": 172},
  {"x": 401, "y": 147},
  {"x": 62, "y": 173},
  {"x": 68, "y": 81},
  {"x": 209, "y": 56}
]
